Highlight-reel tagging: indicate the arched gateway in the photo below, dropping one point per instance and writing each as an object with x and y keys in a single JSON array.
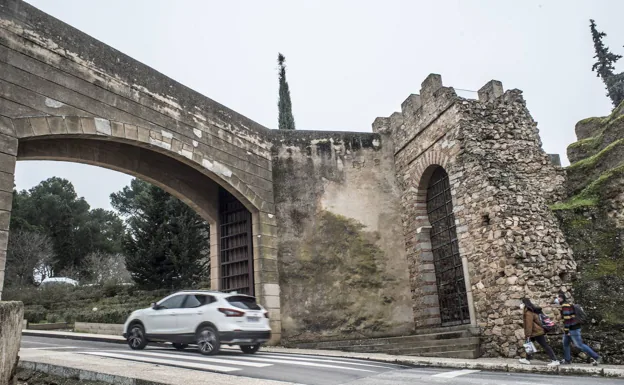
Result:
[{"x": 431, "y": 221}]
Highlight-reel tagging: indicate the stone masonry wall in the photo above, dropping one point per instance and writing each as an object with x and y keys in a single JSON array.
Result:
[
  {"x": 342, "y": 265},
  {"x": 501, "y": 183},
  {"x": 11, "y": 316}
]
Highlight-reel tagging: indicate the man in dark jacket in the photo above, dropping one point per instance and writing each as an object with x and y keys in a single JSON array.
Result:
[{"x": 572, "y": 331}]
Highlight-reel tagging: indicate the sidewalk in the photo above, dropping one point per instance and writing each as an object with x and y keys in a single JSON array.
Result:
[{"x": 489, "y": 364}]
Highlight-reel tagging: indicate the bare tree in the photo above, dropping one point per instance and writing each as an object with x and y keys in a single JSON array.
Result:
[
  {"x": 103, "y": 268},
  {"x": 29, "y": 254}
]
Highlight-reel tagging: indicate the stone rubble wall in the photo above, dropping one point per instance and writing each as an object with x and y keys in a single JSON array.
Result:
[{"x": 502, "y": 183}]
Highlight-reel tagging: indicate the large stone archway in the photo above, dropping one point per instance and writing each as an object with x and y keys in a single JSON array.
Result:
[{"x": 66, "y": 96}]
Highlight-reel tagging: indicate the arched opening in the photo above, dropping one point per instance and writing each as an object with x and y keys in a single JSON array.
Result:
[
  {"x": 232, "y": 267},
  {"x": 449, "y": 270}
]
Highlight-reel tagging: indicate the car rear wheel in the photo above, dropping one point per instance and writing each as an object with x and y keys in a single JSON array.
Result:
[
  {"x": 250, "y": 349},
  {"x": 136, "y": 337},
  {"x": 208, "y": 341},
  {"x": 180, "y": 346}
]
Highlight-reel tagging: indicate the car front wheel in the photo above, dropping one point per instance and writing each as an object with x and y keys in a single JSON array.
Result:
[
  {"x": 136, "y": 337},
  {"x": 250, "y": 349},
  {"x": 208, "y": 341}
]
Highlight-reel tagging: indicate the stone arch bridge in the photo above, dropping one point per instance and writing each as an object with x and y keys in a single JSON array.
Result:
[{"x": 435, "y": 219}]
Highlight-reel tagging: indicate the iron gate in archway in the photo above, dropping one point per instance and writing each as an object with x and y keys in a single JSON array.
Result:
[
  {"x": 449, "y": 270},
  {"x": 236, "y": 272}
]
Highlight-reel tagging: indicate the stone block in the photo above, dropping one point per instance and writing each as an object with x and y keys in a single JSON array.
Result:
[
  {"x": 271, "y": 301},
  {"x": 411, "y": 105},
  {"x": 143, "y": 134},
  {"x": 7, "y": 163},
  {"x": 117, "y": 130},
  {"x": 88, "y": 125},
  {"x": 131, "y": 131},
  {"x": 102, "y": 126},
  {"x": 490, "y": 91},
  {"x": 430, "y": 85},
  {"x": 6, "y": 200},
  {"x": 381, "y": 125},
  {"x": 23, "y": 128},
  {"x": 5, "y": 219},
  {"x": 57, "y": 125},
  {"x": 6, "y": 126},
  {"x": 8, "y": 145},
  {"x": 4, "y": 240},
  {"x": 271, "y": 289},
  {"x": 73, "y": 125},
  {"x": 40, "y": 126}
]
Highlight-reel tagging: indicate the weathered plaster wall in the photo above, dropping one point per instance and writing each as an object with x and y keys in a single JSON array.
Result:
[
  {"x": 501, "y": 184},
  {"x": 11, "y": 316},
  {"x": 342, "y": 266}
]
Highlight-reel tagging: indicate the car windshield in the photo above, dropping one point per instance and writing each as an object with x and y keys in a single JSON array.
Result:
[{"x": 243, "y": 302}]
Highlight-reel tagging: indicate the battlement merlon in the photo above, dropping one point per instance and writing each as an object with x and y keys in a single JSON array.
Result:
[{"x": 419, "y": 110}]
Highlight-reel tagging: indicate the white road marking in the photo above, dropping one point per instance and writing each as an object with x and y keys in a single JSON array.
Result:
[
  {"x": 182, "y": 364},
  {"x": 301, "y": 363},
  {"x": 455, "y": 373},
  {"x": 197, "y": 357},
  {"x": 324, "y": 360},
  {"x": 52, "y": 348},
  {"x": 41, "y": 343}
]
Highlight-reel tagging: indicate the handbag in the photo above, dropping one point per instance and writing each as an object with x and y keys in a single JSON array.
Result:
[{"x": 529, "y": 347}]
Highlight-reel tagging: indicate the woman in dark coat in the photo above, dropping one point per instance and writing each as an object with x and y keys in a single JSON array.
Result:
[{"x": 534, "y": 331}]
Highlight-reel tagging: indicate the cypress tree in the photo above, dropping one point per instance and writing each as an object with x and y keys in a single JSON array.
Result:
[
  {"x": 604, "y": 66},
  {"x": 286, "y": 120}
]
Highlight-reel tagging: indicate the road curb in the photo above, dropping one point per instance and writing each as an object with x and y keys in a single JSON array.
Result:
[
  {"x": 82, "y": 374},
  {"x": 77, "y": 336}
]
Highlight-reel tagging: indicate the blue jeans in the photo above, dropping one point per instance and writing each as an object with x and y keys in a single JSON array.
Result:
[{"x": 575, "y": 337}]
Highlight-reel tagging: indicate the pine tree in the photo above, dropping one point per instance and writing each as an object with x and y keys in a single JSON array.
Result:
[
  {"x": 604, "y": 66},
  {"x": 286, "y": 120},
  {"x": 167, "y": 242}
]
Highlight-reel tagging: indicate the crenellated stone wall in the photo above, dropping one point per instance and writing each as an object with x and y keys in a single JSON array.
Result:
[{"x": 502, "y": 183}]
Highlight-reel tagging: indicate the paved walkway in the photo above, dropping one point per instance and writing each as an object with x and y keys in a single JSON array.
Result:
[{"x": 489, "y": 364}]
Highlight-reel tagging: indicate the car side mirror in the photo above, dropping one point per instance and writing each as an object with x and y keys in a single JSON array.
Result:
[{"x": 155, "y": 306}]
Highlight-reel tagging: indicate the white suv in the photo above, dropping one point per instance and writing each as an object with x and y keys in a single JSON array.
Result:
[{"x": 205, "y": 318}]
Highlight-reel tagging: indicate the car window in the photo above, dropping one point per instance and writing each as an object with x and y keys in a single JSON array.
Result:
[
  {"x": 243, "y": 302},
  {"x": 173, "y": 302},
  {"x": 197, "y": 300}
]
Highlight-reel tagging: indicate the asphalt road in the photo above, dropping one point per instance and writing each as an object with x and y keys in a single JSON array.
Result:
[{"x": 300, "y": 369}]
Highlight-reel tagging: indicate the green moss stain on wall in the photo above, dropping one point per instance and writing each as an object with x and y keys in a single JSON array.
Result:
[
  {"x": 340, "y": 275},
  {"x": 589, "y": 220}
]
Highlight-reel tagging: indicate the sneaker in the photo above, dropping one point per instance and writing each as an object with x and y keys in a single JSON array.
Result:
[
  {"x": 596, "y": 361},
  {"x": 554, "y": 363},
  {"x": 524, "y": 361},
  {"x": 564, "y": 362}
]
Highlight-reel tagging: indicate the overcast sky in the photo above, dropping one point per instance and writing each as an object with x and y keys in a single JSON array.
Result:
[{"x": 350, "y": 61}]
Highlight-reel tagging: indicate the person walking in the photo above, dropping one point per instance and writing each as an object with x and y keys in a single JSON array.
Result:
[
  {"x": 534, "y": 331},
  {"x": 572, "y": 332}
]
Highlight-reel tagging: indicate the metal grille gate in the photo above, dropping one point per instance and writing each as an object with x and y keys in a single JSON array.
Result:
[
  {"x": 235, "y": 246},
  {"x": 448, "y": 264}
]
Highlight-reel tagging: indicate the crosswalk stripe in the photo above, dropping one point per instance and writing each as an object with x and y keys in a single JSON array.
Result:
[
  {"x": 52, "y": 348},
  {"x": 303, "y": 363},
  {"x": 182, "y": 364},
  {"x": 326, "y": 360},
  {"x": 197, "y": 357},
  {"x": 455, "y": 373}
]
